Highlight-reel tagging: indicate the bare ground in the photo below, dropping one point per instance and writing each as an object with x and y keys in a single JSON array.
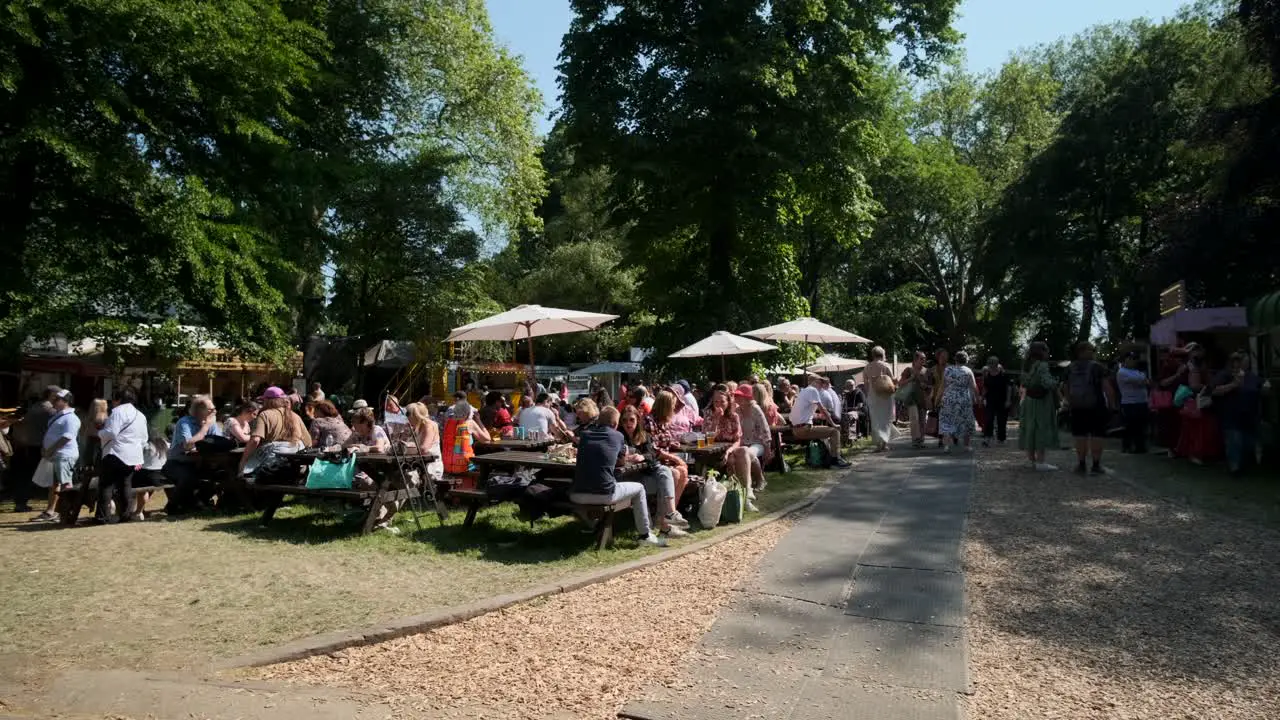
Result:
[
  {"x": 1090, "y": 598},
  {"x": 577, "y": 655}
]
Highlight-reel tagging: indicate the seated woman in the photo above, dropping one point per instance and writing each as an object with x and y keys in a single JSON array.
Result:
[
  {"x": 328, "y": 428},
  {"x": 658, "y": 480},
  {"x": 764, "y": 398},
  {"x": 366, "y": 435},
  {"x": 150, "y": 475},
  {"x": 426, "y": 440},
  {"x": 391, "y": 412},
  {"x": 460, "y": 431},
  {"x": 724, "y": 427},
  {"x": 666, "y": 437},
  {"x": 237, "y": 426},
  {"x": 276, "y": 431},
  {"x": 756, "y": 433},
  {"x": 495, "y": 416}
]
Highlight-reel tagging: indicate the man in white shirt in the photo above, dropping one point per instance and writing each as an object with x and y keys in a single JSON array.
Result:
[
  {"x": 542, "y": 418},
  {"x": 804, "y": 410},
  {"x": 123, "y": 438},
  {"x": 830, "y": 401}
]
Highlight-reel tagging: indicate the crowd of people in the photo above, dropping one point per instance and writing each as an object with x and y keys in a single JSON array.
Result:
[{"x": 1192, "y": 407}]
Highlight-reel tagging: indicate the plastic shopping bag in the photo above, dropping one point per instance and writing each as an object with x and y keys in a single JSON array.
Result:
[
  {"x": 713, "y": 497},
  {"x": 43, "y": 476}
]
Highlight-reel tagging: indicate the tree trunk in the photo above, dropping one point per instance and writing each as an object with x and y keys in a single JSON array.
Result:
[{"x": 1088, "y": 309}]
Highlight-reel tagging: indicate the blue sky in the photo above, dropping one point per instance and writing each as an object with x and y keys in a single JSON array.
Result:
[{"x": 992, "y": 28}]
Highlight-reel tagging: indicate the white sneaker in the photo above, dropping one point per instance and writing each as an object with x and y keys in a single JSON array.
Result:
[
  {"x": 751, "y": 507},
  {"x": 1045, "y": 467},
  {"x": 388, "y": 528},
  {"x": 674, "y": 532},
  {"x": 654, "y": 540}
]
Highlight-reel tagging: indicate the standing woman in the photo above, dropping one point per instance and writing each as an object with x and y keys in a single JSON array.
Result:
[
  {"x": 917, "y": 404},
  {"x": 1037, "y": 414},
  {"x": 1171, "y": 371},
  {"x": 941, "y": 357},
  {"x": 879, "y": 378},
  {"x": 1199, "y": 438},
  {"x": 959, "y": 389}
]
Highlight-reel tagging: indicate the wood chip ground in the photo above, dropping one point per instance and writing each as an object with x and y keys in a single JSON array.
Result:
[
  {"x": 582, "y": 654},
  {"x": 1090, "y": 599}
]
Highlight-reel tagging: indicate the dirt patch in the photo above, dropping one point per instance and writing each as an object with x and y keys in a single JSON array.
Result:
[
  {"x": 1090, "y": 599},
  {"x": 580, "y": 654}
]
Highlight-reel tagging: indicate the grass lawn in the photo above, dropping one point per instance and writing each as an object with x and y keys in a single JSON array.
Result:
[{"x": 181, "y": 593}]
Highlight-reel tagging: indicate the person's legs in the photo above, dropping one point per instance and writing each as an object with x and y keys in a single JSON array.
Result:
[
  {"x": 757, "y": 467},
  {"x": 1232, "y": 442},
  {"x": 680, "y": 474},
  {"x": 1002, "y": 423},
  {"x": 989, "y": 424},
  {"x": 20, "y": 477},
  {"x": 1098, "y": 434},
  {"x": 1142, "y": 419},
  {"x": 639, "y": 504},
  {"x": 182, "y": 475},
  {"x": 111, "y": 475},
  {"x": 916, "y": 417}
]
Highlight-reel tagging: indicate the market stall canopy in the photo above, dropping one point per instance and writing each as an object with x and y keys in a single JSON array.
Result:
[
  {"x": 1202, "y": 320},
  {"x": 787, "y": 371},
  {"x": 809, "y": 330},
  {"x": 1265, "y": 311},
  {"x": 835, "y": 363},
  {"x": 606, "y": 368},
  {"x": 529, "y": 321},
  {"x": 389, "y": 354}
]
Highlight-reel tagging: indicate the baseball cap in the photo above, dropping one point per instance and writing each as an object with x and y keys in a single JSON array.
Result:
[{"x": 272, "y": 393}]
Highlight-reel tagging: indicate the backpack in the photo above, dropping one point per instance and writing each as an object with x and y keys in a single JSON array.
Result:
[{"x": 1084, "y": 386}]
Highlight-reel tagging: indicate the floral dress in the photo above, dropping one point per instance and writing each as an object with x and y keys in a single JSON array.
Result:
[{"x": 956, "y": 416}]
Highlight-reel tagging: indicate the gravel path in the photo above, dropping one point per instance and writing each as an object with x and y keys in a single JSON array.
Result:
[
  {"x": 576, "y": 655},
  {"x": 1091, "y": 599}
]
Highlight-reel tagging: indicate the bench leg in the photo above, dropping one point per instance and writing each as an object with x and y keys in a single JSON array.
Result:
[
  {"x": 272, "y": 503},
  {"x": 473, "y": 507},
  {"x": 604, "y": 531},
  {"x": 375, "y": 507}
]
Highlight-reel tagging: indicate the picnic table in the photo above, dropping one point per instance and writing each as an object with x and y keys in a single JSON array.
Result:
[
  {"x": 705, "y": 457},
  {"x": 505, "y": 444},
  {"x": 383, "y": 467},
  {"x": 551, "y": 472}
]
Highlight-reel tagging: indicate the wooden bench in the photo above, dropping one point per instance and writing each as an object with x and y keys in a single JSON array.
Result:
[
  {"x": 79, "y": 496},
  {"x": 473, "y": 498},
  {"x": 600, "y": 517},
  {"x": 273, "y": 497}
]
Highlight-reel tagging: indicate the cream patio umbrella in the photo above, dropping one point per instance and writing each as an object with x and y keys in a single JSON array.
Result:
[
  {"x": 721, "y": 343},
  {"x": 835, "y": 363},
  {"x": 807, "y": 330},
  {"x": 526, "y": 322}
]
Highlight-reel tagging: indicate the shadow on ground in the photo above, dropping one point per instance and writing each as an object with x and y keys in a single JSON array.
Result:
[{"x": 1152, "y": 589}]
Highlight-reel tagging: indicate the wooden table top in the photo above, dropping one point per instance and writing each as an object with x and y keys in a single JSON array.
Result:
[
  {"x": 514, "y": 444},
  {"x": 538, "y": 460},
  {"x": 711, "y": 449}
]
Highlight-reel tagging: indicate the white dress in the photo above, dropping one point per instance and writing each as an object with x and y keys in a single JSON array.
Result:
[{"x": 880, "y": 411}]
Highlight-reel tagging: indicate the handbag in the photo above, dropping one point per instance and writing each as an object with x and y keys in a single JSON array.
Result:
[
  {"x": 327, "y": 475},
  {"x": 931, "y": 426},
  {"x": 1183, "y": 394},
  {"x": 882, "y": 384},
  {"x": 906, "y": 393}
]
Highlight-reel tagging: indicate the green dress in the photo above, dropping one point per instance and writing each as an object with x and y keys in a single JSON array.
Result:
[{"x": 1037, "y": 417}]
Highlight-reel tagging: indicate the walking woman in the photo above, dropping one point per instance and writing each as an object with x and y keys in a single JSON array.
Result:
[
  {"x": 880, "y": 385},
  {"x": 917, "y": 404},
  {"x": 1038, "y": 413},
  {"x": 955, "y": 419},
  {"x": 941, "y": 359}
]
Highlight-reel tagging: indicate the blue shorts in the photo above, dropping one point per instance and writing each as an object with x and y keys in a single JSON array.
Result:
[{"x": 64, "y": 471}]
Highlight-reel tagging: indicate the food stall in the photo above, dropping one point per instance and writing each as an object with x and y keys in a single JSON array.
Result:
[{"x": 508, "y": 378}]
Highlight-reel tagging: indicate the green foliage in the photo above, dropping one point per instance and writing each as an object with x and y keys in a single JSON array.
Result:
[{"x": 737, "y": 135}]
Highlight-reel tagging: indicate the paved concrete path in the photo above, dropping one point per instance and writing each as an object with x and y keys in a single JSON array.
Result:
[{"x": 858, "y": 613}]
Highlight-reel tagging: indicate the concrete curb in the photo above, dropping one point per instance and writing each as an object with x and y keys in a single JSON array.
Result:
[{"x": 400, "y": 627}]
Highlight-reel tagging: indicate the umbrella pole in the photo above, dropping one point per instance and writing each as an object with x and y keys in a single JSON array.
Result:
[
  {"x": 724, "y": 375},
  {"x": 533, "y": 373}
]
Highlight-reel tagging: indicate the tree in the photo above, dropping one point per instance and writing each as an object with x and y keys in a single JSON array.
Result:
[
  {"x": 719, "y": 119},
  {"x": 107, "y": 135}
]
